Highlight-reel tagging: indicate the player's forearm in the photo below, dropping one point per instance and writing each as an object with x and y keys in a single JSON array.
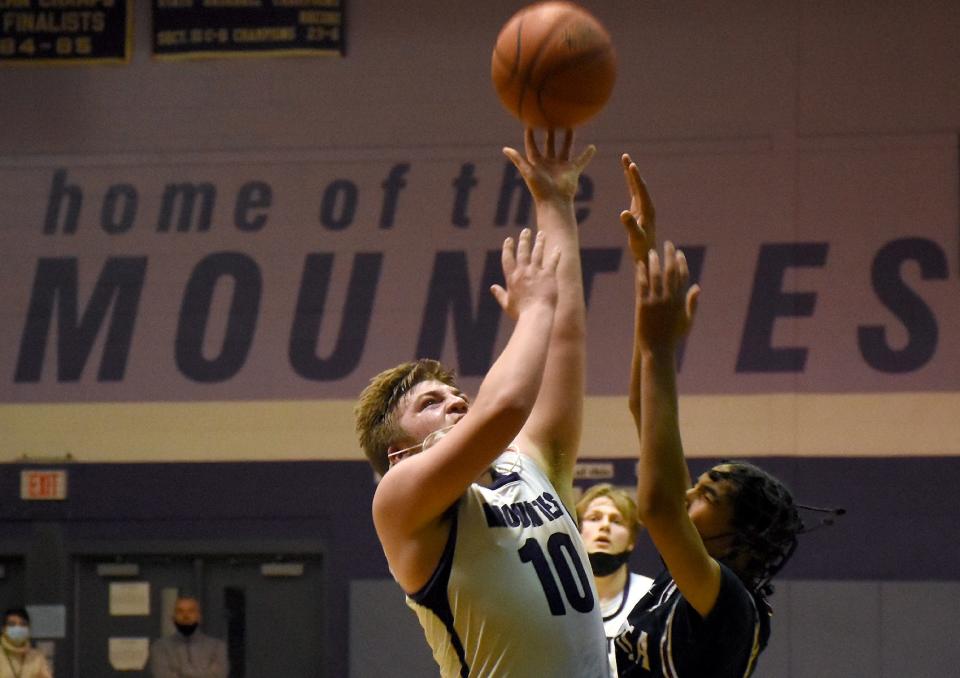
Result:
[
  {"x": 517, "y": 373},
  {"x": 556, "y": 423},
  {"x": 635, "y": 392},
  {"x": 556, "y": 218},
  {"x": 662, "y": 471}
]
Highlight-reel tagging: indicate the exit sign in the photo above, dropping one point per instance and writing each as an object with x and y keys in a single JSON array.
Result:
[{"x": 43, "y": 485}]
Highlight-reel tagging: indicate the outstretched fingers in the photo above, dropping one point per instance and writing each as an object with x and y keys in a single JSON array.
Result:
[
  {"x": 539, "y": 246},
  {"x": 636, "y": 237},
  {"x": 518, "y": 160},
  {"x": 641, "y": 204},
  {"x": 524, "y": 247},
  {"x": 526, "y": 265},
  {"x": 508, "y": 257},
  {"x": 654, "y": 275},
  {"x": 633, "y": 228},
  {"x": 692, "y": 304},
  {"x": 500, "y": 294},
  {"x": 508, "y": 261},
  {"x": 567, "y": 144},
  {"x": 670, "y": 273},
  {"x": 638, "y": 187},
  {"x": 667, "y": 274},
  {"x": 666, "y": 306},
  {"x": 532, "y": 253},
  {"x": 692, "y": 299},
  {"x": 683, "y": 270},
  {"x": 530, "y": 145},
  {"x": 585, "y": 156}
]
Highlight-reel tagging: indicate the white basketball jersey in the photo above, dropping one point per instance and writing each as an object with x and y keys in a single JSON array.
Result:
[{"x": 513, "y": 595}]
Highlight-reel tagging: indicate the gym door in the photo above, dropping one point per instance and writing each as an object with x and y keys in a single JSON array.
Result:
[{"x": 268, "y": 609}]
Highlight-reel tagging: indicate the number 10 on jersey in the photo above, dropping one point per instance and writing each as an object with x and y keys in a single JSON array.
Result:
[{"x": 574, "y": 582}]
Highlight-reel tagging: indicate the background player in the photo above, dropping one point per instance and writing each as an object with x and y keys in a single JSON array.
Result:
[{"x": 608, "y": 524}]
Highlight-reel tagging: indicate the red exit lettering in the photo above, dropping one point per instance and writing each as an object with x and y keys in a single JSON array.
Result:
[{"x": 43, "y": 485}]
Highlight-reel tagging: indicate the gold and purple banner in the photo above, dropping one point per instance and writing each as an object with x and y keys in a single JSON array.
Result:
[
  {"x": 222, "y": 28},
  {"x": 50, "y": 32}
]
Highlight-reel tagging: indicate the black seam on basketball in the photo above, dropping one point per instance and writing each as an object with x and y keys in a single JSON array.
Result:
[
  {"x": 516, "y": 54},
  {"x": 533, "y": 62},
  {"x": 505, "y": 64},
  {"x": 559, "y": 26}
]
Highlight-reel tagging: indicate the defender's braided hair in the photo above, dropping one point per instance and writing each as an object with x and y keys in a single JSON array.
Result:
[
  {"x": 766, "y": 522},
  {"x": 765, "y": 525}
]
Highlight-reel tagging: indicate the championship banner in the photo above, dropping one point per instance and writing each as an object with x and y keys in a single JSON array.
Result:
[
  {"x": 231, "y": 301},
  {"x": 224, "y": 28},
  {"x": 47, "y": 32}
]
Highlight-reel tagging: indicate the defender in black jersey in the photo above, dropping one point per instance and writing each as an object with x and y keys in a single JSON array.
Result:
[{"x": 722, "y": 540}]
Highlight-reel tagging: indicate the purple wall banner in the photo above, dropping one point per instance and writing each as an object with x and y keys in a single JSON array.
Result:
[{"x": 829, "y": 271}]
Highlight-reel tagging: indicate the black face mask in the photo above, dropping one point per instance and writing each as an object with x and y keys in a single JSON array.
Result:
[
  {"x": 186, "y": 629},
  {"x": 603, "y": 564}
]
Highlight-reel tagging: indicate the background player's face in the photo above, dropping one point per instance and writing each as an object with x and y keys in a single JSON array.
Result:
[
  {"x": 428, "y": 406},
  {"x": 710, "y": 507},
  {"x": 604, "y": 528}
]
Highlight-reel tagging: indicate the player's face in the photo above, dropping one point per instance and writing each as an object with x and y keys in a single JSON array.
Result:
[
  {"x": 604, "y": 528},
  {"x": 710, "y": 507},
  {"x": 426, "y": 408}
]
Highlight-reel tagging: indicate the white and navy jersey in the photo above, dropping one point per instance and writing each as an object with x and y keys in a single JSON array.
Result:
[
  {"x": 616, "y": 614},
  {"x": 513, "y": 594},
  {"x": 664, "y": 635}
]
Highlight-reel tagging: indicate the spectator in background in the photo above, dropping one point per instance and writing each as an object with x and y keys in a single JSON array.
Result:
[
  {"x": 20, "y": 659},
  {"x": 188, "y": 653},
  {"x": 608, "y": 524}
]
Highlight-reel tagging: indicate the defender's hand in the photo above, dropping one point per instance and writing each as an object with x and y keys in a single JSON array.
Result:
[
  {"x": 640, "y": 221},
  {"x": 666, "y": 307}
]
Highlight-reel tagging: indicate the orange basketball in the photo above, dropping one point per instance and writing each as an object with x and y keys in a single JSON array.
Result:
[{"x": 553, "y": 65}]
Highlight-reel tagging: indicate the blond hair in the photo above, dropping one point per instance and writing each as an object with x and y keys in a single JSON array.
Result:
[
  {"x": 377, "y": 427},
  {"x": 620, "y": 498}
]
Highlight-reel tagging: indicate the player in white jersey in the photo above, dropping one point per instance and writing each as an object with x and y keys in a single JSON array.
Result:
[
  {"x": 607, "y": 516},
  {"x": 512, "y": 599},
  {"x": 513, "y": 595}
]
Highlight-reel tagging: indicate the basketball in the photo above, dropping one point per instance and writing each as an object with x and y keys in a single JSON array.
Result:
[{"x": 553, "y": 65}]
